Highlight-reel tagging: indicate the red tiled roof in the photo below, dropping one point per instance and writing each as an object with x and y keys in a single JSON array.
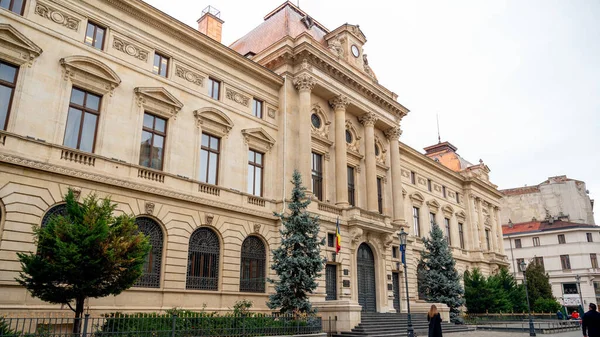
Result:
[{"x": 542, "y": 226}]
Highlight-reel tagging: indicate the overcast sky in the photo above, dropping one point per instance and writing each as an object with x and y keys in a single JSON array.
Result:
[{"x": 515, "y": 83}]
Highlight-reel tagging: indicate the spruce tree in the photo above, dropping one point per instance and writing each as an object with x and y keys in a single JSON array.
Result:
[
  {"x": 441, "y": 282},
  {"x": 297, "y": 261},
  {"x": 538, "y": 283},
  {"x": 86, "y": 253}
]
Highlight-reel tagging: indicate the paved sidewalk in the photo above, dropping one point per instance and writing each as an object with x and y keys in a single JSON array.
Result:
[{"x": 482, "y": 333}]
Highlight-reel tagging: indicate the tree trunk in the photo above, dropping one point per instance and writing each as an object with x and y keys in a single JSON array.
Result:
[{"x": 79, "y": 302}]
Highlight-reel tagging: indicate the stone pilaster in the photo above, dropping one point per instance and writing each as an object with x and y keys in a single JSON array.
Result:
[
  {"x": 339, "y": 104},
  {"x": 393, "y": 135},
  {"x": 499, "y": 231},
  {"x": 304, "y": 83},
  {"x": 480, "y": 225},
  {"x": 368, "y": 120}
]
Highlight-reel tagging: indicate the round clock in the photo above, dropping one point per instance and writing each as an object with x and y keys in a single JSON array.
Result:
[{"x": 355, "y": 51}]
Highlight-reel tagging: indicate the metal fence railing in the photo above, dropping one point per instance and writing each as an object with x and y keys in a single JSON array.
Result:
[
  {"x": 511, "y": 316},
  {"x": 162, "y": 325}
]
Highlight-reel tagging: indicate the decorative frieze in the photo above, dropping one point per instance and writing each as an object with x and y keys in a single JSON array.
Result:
[
  {"x": 189, "y": 75},
  {"x": 130, "y": 49},
  {"x": 237, "y": 97},
  {"x": 57, "y": 16}
]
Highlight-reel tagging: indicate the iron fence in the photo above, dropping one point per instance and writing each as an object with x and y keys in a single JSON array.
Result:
[{"x": 162, "y": 325}]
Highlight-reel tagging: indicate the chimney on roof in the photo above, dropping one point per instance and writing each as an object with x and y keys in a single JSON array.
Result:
[{"x": 210, "y": 23}]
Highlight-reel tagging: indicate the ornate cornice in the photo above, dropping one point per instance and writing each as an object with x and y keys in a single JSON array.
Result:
[
  {"x": 304, "y": 82},
  {"x": 393, "y": 133},
  {"x": 368, "y": 119},
  {"x": 339, "y": 102}
]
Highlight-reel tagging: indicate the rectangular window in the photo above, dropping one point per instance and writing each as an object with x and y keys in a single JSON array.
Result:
[
  {"x": 330, "y": 240},
  {"x": 351, "y": 199},
  {"x": 82, "y": 120},
  {"x": 214, "y": 88},
  {"x": 413, "y": 179},
  {"x": 416, "y": 224},
  {"x": 94, "y": 35},
  {"x": 317, "y": 175},
  {"x": 457, "y": 198},
  {"x": 561, "y": 238},
  {"x": 594, "y": 259},
  {"x": 570, "y": 288},
  {"x": 255, "y": 172},
  {"x": 565, "y": 262},
  {"x": 8, "y": 80},
  {"x": 539, "y": 260},
  {"x": 518, "y": 243},
  {"x": 487, "y": 239},
  {"x": 379, "y": 195},
  {"x": 394, "y": 252},
  {"x": 257, "y": 108},
  {"x": 444, "y": 191},
  {"x": 461, "y": 235},
  {"x": 161, "y": 65},
  {"x": 447, "y": 228},
  {"x": 330, "y": 282},
  {"x": 15, "y": 6},
  {"x": 429, "y": 185},
  {"x": 432, "y": 219},
  {"x": 536, "y": 241},
  {"x": 209, "y": 159},
  {"x": 152, "y": 146},
  {"x": 589, "y": 237}
]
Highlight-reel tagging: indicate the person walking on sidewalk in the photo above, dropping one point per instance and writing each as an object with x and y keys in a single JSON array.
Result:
[
  {"x": 435, "y": 322},
  {"x": 590, "y": 324}
]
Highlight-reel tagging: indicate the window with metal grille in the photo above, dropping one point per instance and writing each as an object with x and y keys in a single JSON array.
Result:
[
  {"x": 539, "y": 260},
  {"x": 447, "y": 225},
  {"x": 58, "y": 210},
  {"x": 330, "y": 240},
  {"x": 565, "y": 262},
  {"x": 518, "y": 243},
  {"x": 15, "y": 6},
  {"x": 536, "y": 241},
  {"x": 209, "y": 159},
  {"x": 379, "y": 195},
  {"x": 255, "y": 172},
  {"x": 152, "y": 147},
  {"x": 82, "y": 120},
  {"x": 330, "y": 282},
  {"x": 589, "y": 237},
  {"x": 214, "y": 88},
  {"x": 8, "y": 80},
  {"x": 487, "y": 239},
  {"x": 151, "y": 270},
  {"x": 203, "y": 260},
  {"x": 461, "y": 235},
  {"x": 94, "y": 35},
  {"x": 594, "y": 260},
  {"x": 351, "y": 197},
  {"x": 257, "y": 108},
  {"x": 252, "y": 270},
  {"x": 416, "y": 224},
  {"x": 561, "y": 238},
  {"x": 161, "y": 65},
  {"x": 317, "y": 175}
]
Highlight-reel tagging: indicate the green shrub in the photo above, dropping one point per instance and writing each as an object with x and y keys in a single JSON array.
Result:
[{"x": 546, "y": 305}]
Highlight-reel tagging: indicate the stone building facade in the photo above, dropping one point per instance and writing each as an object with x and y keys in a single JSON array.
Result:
[{"x": 199, "y": 142}]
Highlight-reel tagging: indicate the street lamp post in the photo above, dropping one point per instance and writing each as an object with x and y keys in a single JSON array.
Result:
[
  {"x": 402, "y": 236},
  {"x": 578, "y": 279},
  {"x": 531, "y": 327}
]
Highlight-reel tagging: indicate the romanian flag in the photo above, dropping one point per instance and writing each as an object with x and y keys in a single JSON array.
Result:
[{"x": 338, "y": 237}]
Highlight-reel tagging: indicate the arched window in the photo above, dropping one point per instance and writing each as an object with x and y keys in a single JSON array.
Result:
[
  {"x": 60, "y": 209},
  {"x": 252, "y": 270},
  {"x": 151, "y": 276},
  {"x": 203, "y": 260}
]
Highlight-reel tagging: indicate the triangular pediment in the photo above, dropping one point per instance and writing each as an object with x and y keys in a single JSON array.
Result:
[
  {"x": 447, "y": 209},
  {"x": 433, "y": 204},
  {"x": 259, "y": 138},
  {"x": 91, "y": 66},
  {"x": 416, "y": 196},
  {"x": 214, "y": 121},
  {"x": 8, "y": 34},
  {"x": 160, "y": 94},
  {"x": 461, "y": 215}
]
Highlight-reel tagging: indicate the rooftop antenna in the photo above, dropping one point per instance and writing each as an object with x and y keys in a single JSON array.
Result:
[{"x": 438, "y": 126}]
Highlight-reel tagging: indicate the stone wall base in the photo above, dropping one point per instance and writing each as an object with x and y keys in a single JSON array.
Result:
[{"x": 338, "y": 316}]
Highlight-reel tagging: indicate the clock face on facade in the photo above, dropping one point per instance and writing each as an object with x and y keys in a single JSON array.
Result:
[{"x": 355, "y": 51}]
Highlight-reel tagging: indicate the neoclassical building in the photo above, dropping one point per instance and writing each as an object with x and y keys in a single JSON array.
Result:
[{"x": 199, "y": 140}]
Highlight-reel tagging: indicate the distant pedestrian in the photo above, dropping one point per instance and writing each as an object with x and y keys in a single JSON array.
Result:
[
  {"x": 591, "y": 322},
  {"x": 575, "y": 315},
  {"x": 435, "y": 322},
  {"x": 559, "y": 315}
]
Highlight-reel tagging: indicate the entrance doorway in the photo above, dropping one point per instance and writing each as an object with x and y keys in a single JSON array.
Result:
[
  {"x": 396, "y": 288},
  {"x": 365, "y": 262}
]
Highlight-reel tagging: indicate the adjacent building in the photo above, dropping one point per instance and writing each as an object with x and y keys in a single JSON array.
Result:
[{"x": 199, "y": 141}]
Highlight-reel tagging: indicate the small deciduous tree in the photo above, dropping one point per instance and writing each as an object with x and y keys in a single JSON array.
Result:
[
  {"x": 86, "y": 253},
  {"x": 297, "y": 261}
]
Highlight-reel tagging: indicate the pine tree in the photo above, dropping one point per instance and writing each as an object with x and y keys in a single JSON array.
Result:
[
  {"x": 538, "y": 283},
  {"x": 86, "y": 253},
  {"x": 440, "y": 279},
  {"x": 297, "y": 261}
]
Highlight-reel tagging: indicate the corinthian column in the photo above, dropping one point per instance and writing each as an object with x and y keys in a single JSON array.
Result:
[
  {"x": 304, "y": 83},
  {"x": 368, "y": 120},
  {"x": 481, "y": 225},
  {"x": 393, "y": 135},
  {"x": 339, "y": 104}
]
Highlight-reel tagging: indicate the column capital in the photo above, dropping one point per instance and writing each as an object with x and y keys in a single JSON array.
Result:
[
  {"x": 339, "y": 102},
  {"x": 304, "y": 82},
  {"x": 368, "y": 119},
  {"x": 393, "y": 133}
]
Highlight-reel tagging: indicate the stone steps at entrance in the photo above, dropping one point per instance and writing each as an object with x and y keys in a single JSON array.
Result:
[{"x": 394, "y": 325}]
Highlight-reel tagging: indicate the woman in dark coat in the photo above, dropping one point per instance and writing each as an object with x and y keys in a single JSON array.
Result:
[{"x": 435, "y": 322}]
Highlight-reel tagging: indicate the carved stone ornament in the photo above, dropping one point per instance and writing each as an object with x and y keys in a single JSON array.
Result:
[
  {"x": 149, "y": 207},
  {"x": 256, "y": 228},
  {"x": 335, "y": 46},
  {"x": 368, "y": 119},
  {"x": 339, "y": 102},
  {"x": 237, "y": 97},
  {"x": 437, "y": 188},
  {"x": 304, "y": 82},
  {"x": 387, "y": 240},
  {"x": 355, "y": 144},
  {"x": 305, "y": 65},
  {"x": 323, "y": 130},
  {"x": 90, "y": 73},
  {"x": 76, "y": 192},
  {"x": 271, "y": 112},
  {"x": 57, "y": 16},
  {"x": 356, "y": 235},
  {"x": 158, "y": 100},
  {"x": 189, "y": 75},
  {"x": 421, "y": 181},
  {"x": 393, "y": 133},
  {"x": 209, "y": 219},
  {"x": 381, "y": 158},
  {"x": 130, "y": 49},
  {"x": 258, "y": 138},
  {"x": 16, "y": 47},
  {"x": 405, "y": 173},
  {"x": 214, "y": 121}
]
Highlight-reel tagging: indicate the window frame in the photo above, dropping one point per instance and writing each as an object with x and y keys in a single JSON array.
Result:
[
  {"x": 154, "y": 132},
  {"x": 13, "y": 87},
  {"x": 317, "y": 175},
  {"x": 565, "y": 262},
  {"x": 432, "y": 220},
  {"x": 254, "y": 165},
  {"x": 331, "y": 286},
  {"x": 416, "y": 221},
  {"x": 589, "y": 237},
  {"x": 350, "y": 172},
  {"x": 94, "y": 36},
  {"x": 561, "y": 239},
  {"x": 518, "y": 243},
  {"x": 83, "y": 110},
  {"x": 536, "y": 241},
  {"x": 161, "y": 57},
  {"x": 594, "y": 260},
  {"x": 447, "y": 225},
  {"x": 151, "y": 227},
  {"x": 380, "y": 195},
  {"x": 211, "y": 253},
  {"x": 413, "y": 177},
  {"x": 395, "y": 251},
  {"x": 11, "y": 5},
  {"x": 461, "y": 235},
  {"x": 253, "y": 263},
  {"x": 429, "y": 185},
  {"x": 211, "y": 85},
  {"x": 258, "y": 113},
  {"x": 444, "y": 193},
  {"x": 331, "y": 240},
  {"x": 210, "y": 150}
]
